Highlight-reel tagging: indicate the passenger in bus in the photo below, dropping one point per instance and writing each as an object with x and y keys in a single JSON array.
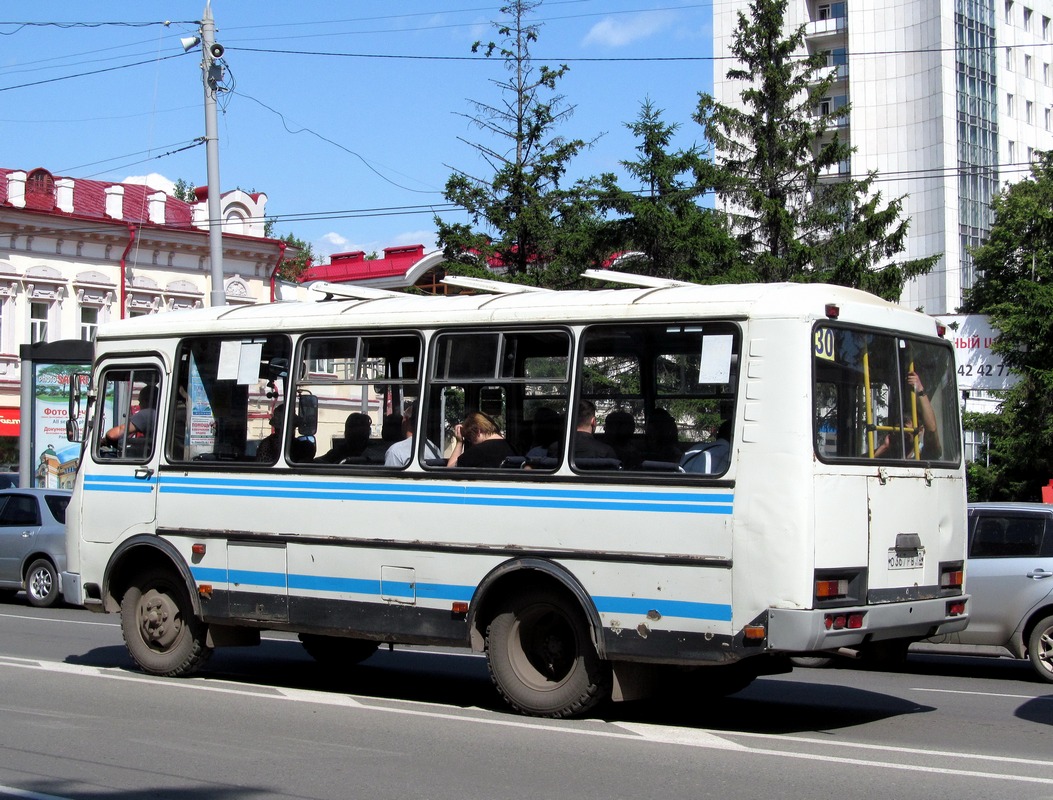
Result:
[
  {"x": 927, "y": 432},
  {"x": 545, "y": 429},
  {"x": 270, "y": 446},
  {"x": 479, "y": 443},
  {"x": 355, "y": 448},
  {"x": 661, "y": 438},
  {"x": 140, "y": 423},
  {"x": 586, "y": 445},
  {"x": 710, "y": 457},
  {"x": 618, "y": 430},
  {"x": 400, "y": 453}
]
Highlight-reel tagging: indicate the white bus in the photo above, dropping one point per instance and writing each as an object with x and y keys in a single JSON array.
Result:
[{"x": 593, "y": 559}]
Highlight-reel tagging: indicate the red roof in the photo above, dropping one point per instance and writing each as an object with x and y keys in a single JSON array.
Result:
[
  {"x": 354, "y": 266},
  {"x": 89, "y": 200}
]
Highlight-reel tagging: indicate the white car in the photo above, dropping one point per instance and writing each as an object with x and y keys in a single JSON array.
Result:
[{"x": 33, "y": 543}]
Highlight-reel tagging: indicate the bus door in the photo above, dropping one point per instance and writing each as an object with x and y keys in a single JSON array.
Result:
[{"x": 120, "y": 468}]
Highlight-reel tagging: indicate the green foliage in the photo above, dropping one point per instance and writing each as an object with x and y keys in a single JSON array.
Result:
[
  {"x": 792, "y": 222},
  {"x": 520, "y": 218},
  {"x": 1014, "y": 286},
  {"x": 184, "y": 191},
  {"x": 299, "y": 255},
  {"x": 664, "y": 221}
]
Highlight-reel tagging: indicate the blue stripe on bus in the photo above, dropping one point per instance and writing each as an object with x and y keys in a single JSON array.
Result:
[
  {"x": 639, "y": 606},
  {"x": 667, "y": 608},
  {"x": 118, "y": 483},
  {"x": 701, "y": 502}
]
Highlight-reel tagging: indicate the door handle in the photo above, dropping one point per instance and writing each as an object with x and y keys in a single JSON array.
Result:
[
  {"x": 1039, "y": 573},
  {"x": 143, "y": 473}
]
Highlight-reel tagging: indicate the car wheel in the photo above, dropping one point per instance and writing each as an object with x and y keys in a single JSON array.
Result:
[
  {"x": 42, "y": 584},
  {"x": 1040, "y": 648}
]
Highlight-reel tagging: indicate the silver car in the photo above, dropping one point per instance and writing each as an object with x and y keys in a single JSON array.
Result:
[
  {"x": 1010, "y": 577},
  {"x": 33, "y": 543}
]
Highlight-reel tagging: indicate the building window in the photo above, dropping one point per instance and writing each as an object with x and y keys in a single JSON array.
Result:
[
  {"x": 1049, "y": 113},
  {"x": 1029, "y": 112},
  {"x": 1009, "y": 58},
  {"x": 89, "y": 323},
  {"x": 1045, "y": 74},
  {"x": 1030, "y": 155},
  {"x": 1009, "y": 12},
  {"x": 1012, "y": 152},
  {"x": 1045, "y": 29},
  {"x": 824, "y": 11},
  {"x": 38, "y": 322},
  {"x": 1027, "y": 66},
  {"x": 1010, "y": 105},
  {"x": 1027, "y": 18}
]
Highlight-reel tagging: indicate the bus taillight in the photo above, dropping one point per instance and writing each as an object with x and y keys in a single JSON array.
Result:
[
  {"x": 955, "y": 608},
  {"x": 831, "y": 589},
  {"x": 952, "y": 577},
  {"x": 838, "y": 622}
]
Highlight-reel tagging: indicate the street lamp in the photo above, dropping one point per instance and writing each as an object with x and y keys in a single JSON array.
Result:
[{"x": 212, "y": 76}]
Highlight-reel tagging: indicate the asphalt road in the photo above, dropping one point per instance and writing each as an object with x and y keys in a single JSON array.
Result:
[{"x": 78, "y": 721}]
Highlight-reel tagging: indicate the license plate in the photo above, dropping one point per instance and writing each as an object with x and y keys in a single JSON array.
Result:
[{"x": 897, "y": 561}]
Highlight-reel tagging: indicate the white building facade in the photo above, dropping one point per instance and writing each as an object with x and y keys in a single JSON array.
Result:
[
  {"x": 950, "y": 99},
  {"x": 77, "y": 253}
]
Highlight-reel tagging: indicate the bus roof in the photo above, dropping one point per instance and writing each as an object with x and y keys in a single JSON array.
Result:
[{"x": 398, "y": 310}]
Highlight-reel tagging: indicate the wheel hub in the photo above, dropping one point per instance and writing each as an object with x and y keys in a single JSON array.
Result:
[{"x": 159, "y": 620}]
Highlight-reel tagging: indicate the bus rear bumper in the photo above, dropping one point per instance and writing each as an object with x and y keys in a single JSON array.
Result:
[{"x": 806, "y": 630}]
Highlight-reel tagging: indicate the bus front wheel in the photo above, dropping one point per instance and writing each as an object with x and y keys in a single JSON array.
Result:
[
  {"x": 160, "y": 629},
  {"x": 541, "y": 657}
]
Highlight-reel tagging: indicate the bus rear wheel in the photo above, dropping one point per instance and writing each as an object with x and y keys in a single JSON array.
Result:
[
  {"x": 541, "y": 657},
  {"x": 160, "y": 629}
]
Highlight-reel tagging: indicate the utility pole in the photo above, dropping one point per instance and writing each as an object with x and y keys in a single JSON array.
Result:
[{"x": 212, "y": 75}]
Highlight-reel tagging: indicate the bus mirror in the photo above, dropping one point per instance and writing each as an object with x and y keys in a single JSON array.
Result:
[
  {"x": 308, "y": 414},
  {"x": 72, "y": 431},
  {"x": 77, "y": 381}
]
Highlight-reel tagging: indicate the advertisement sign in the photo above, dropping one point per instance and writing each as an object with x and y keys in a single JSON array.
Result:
[
  {"x": 54, "y": 458},
  {"x": 978, "y": 367}
]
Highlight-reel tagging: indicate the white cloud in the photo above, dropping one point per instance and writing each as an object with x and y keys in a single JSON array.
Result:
[
  {"x": 154, "y": 181},
  {"x": 618, "y": 32},
  {"x": 335, "y": 239}
]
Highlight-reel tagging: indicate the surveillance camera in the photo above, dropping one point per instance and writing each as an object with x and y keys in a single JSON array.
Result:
[{"x": 216, "y": 49}]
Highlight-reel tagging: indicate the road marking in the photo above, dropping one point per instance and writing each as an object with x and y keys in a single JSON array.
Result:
[
  {"x": 658, "y": 734},
  {"x": 985, "y": 694},
  {"x": 50, "y": 619},
  {"x": 13, "y": 792}
]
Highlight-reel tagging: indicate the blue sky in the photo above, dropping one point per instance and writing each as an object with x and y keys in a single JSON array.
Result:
[{"x": 349, "y": 115}]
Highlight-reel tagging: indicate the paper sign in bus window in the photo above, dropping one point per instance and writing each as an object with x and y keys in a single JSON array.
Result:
[{"x": 716, "y": 360}]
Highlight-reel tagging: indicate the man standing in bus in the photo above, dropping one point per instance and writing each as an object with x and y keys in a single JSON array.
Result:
[{"x": 926, "y": 433}]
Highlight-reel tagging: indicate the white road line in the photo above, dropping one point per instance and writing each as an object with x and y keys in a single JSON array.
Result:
[
  {"x": 113, "y": 624},
  {"x": 985, "y": 694},
  {"x": 13, "y": 792},
  {"x": 688, "y": 737}
]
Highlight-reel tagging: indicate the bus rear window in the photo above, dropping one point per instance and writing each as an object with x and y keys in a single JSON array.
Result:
[{"x": 880, "y": 396}]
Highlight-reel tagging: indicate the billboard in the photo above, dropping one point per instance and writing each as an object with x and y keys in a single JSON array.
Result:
[{"x": 978, "y": 367}]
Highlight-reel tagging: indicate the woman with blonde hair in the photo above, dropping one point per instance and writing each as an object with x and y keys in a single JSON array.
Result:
[{"x": 479, "y": 443}]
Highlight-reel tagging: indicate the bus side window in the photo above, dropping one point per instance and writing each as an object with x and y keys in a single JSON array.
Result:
[
  {"x": 126, "y": 416},
  {"x": 226, "y": 393}
]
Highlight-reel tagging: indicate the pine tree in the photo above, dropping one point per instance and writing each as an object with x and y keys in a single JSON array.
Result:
[
  {"x": 519, "y": 217},
  {"x": 663, "y": 220},
  {"x": 796, "y": 216}
]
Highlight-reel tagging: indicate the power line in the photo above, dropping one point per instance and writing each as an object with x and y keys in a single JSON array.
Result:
[{"x": 92, "y": 72}]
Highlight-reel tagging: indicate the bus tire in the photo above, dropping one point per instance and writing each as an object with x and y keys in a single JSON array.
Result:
[
  {"x": 541, "y": 657},
  {"x": 1040, "y": 648},
  {"x": 42, "y": 584},
  {"x": 337, "y": 651},
  {"x": 160, "y": 630}
]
